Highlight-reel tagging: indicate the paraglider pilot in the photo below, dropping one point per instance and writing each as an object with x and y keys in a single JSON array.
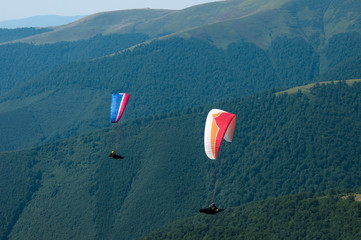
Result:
[
  {"x": 115, "y": 156},
  {"x": 212, "y": 209}
]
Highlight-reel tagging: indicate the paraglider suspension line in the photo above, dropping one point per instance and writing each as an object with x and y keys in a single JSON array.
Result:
[
  {"x": 214, "y": 190},
  {"x": 217, "y": 173},
  {"x": 117, "y": 139}
]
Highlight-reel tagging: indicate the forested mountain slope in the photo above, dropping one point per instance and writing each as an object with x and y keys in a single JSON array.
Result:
[
  {"x": 250, "y": 46},
  {"x": 21, "y": 62},
  {"x": 161, "y": 77},
  {"x": 284, "y": 144}
]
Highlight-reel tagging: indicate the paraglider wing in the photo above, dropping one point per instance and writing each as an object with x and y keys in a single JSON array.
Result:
[
  {"x": 118, "y": 104},
  {"x": 219, "y": 125}
]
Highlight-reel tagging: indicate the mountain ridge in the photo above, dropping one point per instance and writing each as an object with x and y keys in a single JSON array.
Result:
[{"x": 323, "y": 21}]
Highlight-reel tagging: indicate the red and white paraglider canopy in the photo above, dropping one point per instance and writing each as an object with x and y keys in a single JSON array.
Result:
[{"x": 219, "y": 125}]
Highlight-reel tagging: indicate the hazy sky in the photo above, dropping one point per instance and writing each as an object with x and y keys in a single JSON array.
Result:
[{"x": 16, "y": 9}]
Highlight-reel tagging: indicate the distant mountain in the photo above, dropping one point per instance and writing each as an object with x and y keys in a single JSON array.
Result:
[
  {"x": 39, "y": 21},
  {"x": 283, "y": 144}
]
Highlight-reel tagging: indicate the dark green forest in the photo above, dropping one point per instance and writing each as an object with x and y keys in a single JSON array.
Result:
[
  {"x": 300, "y": 132},
  {"x": 20, "y": 62},
  {"x": 284, "y": 144}
]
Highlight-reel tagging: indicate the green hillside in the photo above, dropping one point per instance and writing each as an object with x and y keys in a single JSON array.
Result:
[
  {"x": 316, "y": 22},
  {"x": 286, "y": 144},
  {"x": 202, "y": 15},
  {"x": 302, "y": 216}
]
